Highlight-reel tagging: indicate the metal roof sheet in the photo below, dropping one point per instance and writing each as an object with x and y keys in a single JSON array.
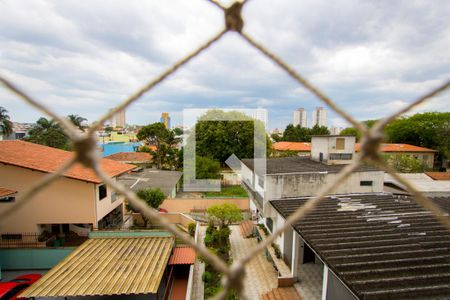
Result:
[
  {"x": 382, "y": 246},
  {"x": 182, "y": 256},
  {"x": 107, "y": 266}
]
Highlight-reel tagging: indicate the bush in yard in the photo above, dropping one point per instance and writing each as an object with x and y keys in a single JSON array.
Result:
[
  {"x": 191, "y": 228},
  {"x": 206, "y": 277},
  {"x": 152, "y": 197}
]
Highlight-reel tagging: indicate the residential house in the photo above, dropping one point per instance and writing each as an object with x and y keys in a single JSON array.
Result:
[
  {"x": 120, "y": 265},
  {"x": 135, "y": 158},
  {"x": 425, "y": 155},
  {"x": 303, "y": 176},
  {"x": 366, "y": 246},
  {"x": 78, "y": 201}
]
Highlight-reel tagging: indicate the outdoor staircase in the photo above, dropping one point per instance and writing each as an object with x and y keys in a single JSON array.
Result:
[
  {"x": 284, "y": 293},
  {"x": 247, "y": 228}
]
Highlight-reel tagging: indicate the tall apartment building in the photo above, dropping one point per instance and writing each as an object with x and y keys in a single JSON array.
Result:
[
  {"x": 119, "y": 119},
  {"x": 165, "y": 119},
  {"x": 300, "y": 117},
  {"x": 319, "y": 117}
]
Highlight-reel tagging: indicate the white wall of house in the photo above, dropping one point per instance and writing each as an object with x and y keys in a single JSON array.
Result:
[
  {"x": 308, "y": 184},
  {"x": 324, "y": 146}
]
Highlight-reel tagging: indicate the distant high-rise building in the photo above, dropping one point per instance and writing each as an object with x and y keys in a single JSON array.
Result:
[
  {"x": 319, "y": 117},
  {"x": 165, "y": 119},
  {"x": 300, "y": 117},
  {"x": 119, "y": 119}
]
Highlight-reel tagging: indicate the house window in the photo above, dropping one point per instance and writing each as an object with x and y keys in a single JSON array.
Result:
[
  {"x": 340, "y": 143},
  {"x": 7, "y": 199},
  {"x": 269, "y": 224},
  {"x": 366, "y": 183},
  {"x": 113, "y": 197},
  {"x": 261, "y": 181},
  {"x": 340, "y": 156},
  {"x": 102, "y": 192}
]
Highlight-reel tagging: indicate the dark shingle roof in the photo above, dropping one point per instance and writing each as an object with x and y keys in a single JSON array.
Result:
[
  {"x": 151, "y": 178},
  {"x": 382, "y": 246},
  {"x": 277, "y": 165}
]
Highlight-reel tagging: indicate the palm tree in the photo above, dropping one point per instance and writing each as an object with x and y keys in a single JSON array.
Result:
[
  {"x": 77, "y": 121},
  {"x": 5, "y": 123},
  {"x": 48, "y": 132}
]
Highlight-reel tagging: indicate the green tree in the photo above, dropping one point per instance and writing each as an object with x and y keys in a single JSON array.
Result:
[
  {"x": 49, "y": 133},
  {"x": 431, "y": 130},
  {"x": 276, "y": 137},
  {"x": 319, "y": 130},
  {"x": 77, "y": 121},
  {"x": 207, "y": 168},
  {"x": 177, "y": 131},
  {"x": 405, "y": 163},
  {"x": 5, "y": 124},
  {"x": 152, "y": 197},
  {"x": 219, "y": 139},
  {"x": 351, "y": 131},
  {"x": 164, "y": 140},
  {"x": 296, "y": 134},
  {"x": 224, "y": 214},
  {"x": 303, "y": 134}
]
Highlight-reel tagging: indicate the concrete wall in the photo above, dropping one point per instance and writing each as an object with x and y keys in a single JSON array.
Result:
[
  {"x": 297, "y": 185},
  {"x": 65, "y": 201},
  {"x": 24, "y": 259},
  {"x": 185, "y": 205}
]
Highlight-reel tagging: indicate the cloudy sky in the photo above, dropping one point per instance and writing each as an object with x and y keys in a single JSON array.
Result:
[{"x": 84, "y": 57}]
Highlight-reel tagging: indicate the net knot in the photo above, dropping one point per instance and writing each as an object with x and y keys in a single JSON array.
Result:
[
  {"x": 235, "y": 278},
  {"x": 370, "y": 145},
  {"x": 233, "y": 18},
  {"x": 85, "y": 148}
]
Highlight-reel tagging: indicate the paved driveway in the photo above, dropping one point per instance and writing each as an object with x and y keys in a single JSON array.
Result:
[{"x": 261, "y": 276}]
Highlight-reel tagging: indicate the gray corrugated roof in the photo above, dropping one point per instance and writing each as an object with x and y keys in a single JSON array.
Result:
[
  {"x": 277, "y": 165},
  {"x": 151, "y": 178},
  {"x": 382, "y": 246}
]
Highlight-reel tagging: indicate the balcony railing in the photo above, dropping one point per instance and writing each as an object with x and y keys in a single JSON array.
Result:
[{"x": 23, "y": 240}]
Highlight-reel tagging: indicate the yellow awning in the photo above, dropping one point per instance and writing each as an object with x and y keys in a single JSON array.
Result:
[{"x": 108, "y": 266}]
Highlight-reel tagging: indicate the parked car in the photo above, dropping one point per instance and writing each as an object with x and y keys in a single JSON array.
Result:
[{"x": 11, "y": 289}]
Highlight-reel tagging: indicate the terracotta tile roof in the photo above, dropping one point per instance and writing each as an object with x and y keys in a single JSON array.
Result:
[
  {"x": 6, "y": 192},
  {"x": 439, "y": 175},
  {"x": 130, "y": 156},
  {"x": 47, "y": 159},
  {"x": 398, "y": 148},
  {"x": 182, "y": 256},
  {"x": 292, "y": 146}
]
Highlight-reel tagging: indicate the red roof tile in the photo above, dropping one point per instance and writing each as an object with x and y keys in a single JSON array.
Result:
[
  {"x": 6, "y": 192},
  {"x": 439, "y": 175},
  {"x": 47, "y": 159},
  {"x": 398, "y": 148},
  {"x": 292, "y": 146},
  {"x": 182, "y": 256},
  {"x": 130, "y": 156}
]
